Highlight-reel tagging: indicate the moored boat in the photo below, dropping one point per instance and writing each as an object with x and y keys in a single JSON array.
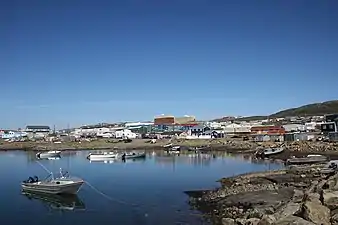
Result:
[
  {"x": 49, "y": 154},
  {"x": 174, "y": 149},
  {"x": 51, "y": 185},
  {"x": 133, "y": 155},
  {"x": 105, "y": 155}
]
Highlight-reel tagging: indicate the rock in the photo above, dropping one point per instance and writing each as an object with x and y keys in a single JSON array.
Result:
[
  {"x": 316, "y": 213},
  {"x": 289, "y": 209},
  {"x": 252, "y": 221},
  {"x": 240, "y": 221},
  {"x": 267, "y": 220},
  {"x": 330, "y": 199},
  {"x": 314, "y": 197},
  {"x": 228, "y": 221},
  {"x": 293, "y": 220},
  {"x": 298, "y": 196}
]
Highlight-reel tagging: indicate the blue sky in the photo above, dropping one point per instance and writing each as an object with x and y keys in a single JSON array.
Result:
[{"x": 81, "y": 62}]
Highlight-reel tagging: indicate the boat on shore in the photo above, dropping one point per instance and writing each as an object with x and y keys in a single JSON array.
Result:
[
  {"x": 64, "y": 184},
  {"x": 309, "y": 159},
  {"x": 102, "y": 156},
  {"x": 167, "y": 145},
  {"x": 49, "y": 154},
  {"x": 269, "y": 152},
  {"x": 133, "y": 155}
]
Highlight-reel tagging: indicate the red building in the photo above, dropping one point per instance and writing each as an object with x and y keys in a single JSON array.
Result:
[{"x": 268, "y": 130}]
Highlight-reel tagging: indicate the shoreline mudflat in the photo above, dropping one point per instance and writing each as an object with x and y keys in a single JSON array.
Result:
[
  {"x": 229, "y": 145},
  {"x": 299, "y": 195}
]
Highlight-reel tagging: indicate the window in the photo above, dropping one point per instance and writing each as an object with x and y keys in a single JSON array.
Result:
[{"x": 331, "y": 127}]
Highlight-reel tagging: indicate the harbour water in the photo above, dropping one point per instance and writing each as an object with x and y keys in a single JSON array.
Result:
[{"x": 149, "y": 191}]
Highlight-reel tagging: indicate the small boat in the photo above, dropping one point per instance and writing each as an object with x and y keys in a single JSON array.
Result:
[
  {"x": 105, "y": 155},
  {"x": 174, "y": 149},
  {"x": 51, "y": 185},
  {"x": 269, "y": 151},
  {"x": 167, "y": 145},
  {"x": 133, "y": 155},
  {"x": 310, "y": 159},
  {"x": 59, "y": 202},
  {"x": 49, "y": 154}
]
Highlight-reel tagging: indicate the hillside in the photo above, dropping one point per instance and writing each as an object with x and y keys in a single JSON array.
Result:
[{"x": 315, "y": 109}]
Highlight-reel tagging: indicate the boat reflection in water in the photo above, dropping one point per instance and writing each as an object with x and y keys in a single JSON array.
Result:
[
  {"x": 50, "y": 158},
  {"x": 119, "y": 160},
  {"x": 103, "y": 161},
  {"x": 57, "y": 202}
]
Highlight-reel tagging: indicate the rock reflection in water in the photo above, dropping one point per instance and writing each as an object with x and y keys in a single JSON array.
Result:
[{"x": 57, "y": 202}]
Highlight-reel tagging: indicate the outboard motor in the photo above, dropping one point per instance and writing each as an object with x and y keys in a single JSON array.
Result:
[{"x": 124, "y": 156}]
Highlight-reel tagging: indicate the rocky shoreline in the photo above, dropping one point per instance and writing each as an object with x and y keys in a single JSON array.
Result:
[{"x": 298, "y": 195}]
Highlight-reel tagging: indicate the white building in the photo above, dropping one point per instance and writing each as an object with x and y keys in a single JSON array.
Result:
[
  {"x": 237, "y": 128},
  {"x": 294, "y": 127},
  {"x": 125, "y": 134}
]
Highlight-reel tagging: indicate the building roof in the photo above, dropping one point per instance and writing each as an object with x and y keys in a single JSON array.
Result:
[{"x": 38, "y": 127}]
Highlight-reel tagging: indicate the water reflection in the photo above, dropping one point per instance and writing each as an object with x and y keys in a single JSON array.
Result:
[
  {"x": 57, "y": 202},
  {"x": 109, "y": 161}
]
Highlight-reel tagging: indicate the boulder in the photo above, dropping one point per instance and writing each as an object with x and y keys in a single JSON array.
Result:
[
  {"x": 330, "y": 199},
  {"x": 293, "y": 220},
  {"x": 298, "y": 195},
  {"x": 289, "y": 209},
  {"x": 267, "y": 220},
  {"x": 316, "y": 213},
  {"x": 228, "y": 221},
  {"x": 252, "y": 221},
  {"x": 314, "y": 197},
  {"x": 334, "y": 216}
]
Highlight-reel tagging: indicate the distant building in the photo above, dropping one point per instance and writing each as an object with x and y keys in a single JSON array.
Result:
[
  {"x": 293, "y": 127},
  {"x": 331, "y": 124},
  {"x": 268, "y": 130},
  {"x": 199, "y": 130},
  {"x": 37, "y": 129}
]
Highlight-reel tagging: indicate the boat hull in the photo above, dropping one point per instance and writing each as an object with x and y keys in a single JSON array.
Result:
[
  {"x": 102, "y": 157},
  {"x": 306, "y": 160},
  {"x": 52, "y": 189},
  {"x": 137, "y": 156},
  {"x": 44, "y": 155}
]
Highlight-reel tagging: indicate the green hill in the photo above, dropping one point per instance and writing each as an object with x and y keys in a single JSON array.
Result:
[{"x": 315, "y": 109}]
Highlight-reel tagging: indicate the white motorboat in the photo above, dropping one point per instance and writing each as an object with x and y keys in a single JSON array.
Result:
[
  {"x": 269, "y": 151},
  {"x": 49, "y": 154},
  {"x": 105, "y": 155},
  {"x": 51, "y": 185}
]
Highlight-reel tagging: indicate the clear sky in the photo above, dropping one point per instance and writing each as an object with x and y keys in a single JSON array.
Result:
[{"x": 84, "y": 62}]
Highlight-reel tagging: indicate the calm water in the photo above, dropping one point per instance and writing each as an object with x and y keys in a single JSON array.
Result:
[{"x": 149, "y": 191}]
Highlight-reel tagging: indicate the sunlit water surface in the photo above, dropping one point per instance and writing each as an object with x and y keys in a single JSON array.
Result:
[{"x": 149, "y": 191}]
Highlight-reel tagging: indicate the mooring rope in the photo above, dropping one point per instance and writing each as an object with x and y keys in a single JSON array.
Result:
[
  {"x": 44, "y": 167},
  {"x": 109, "y": 197}
]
